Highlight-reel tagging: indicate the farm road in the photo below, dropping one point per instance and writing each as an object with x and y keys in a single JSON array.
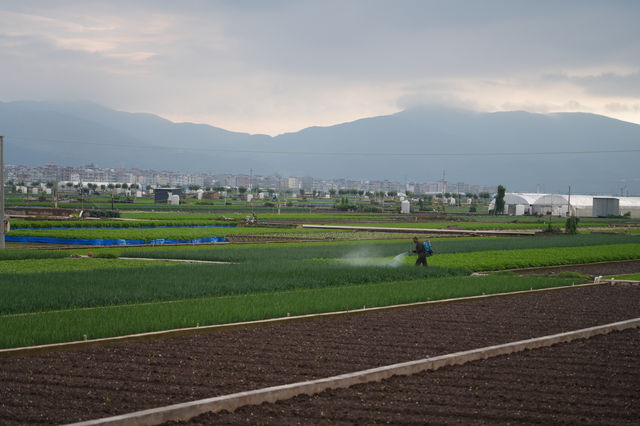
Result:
[{"x": 64, "y": 387}]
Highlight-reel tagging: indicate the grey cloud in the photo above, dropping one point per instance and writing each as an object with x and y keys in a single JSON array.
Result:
[
  {"x": 264, "y": 53},
  {"x": 619, "y": 107},
  {"x": 604, "y": 84}
]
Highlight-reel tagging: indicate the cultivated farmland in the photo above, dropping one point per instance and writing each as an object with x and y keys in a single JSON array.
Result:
[{"x": 87, "y": 293}]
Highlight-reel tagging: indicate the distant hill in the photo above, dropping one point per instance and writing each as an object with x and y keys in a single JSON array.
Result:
[{"x": 412, "y": 145}]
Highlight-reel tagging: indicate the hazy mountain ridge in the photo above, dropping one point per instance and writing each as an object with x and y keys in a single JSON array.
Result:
[{"x": 416, "y": 145}]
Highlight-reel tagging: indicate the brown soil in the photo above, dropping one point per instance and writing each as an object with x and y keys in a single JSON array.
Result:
[
  {"x": 591, "y": 269},
  {"x": 62, "y": 387},
  {"x": 588, "y": 381}
]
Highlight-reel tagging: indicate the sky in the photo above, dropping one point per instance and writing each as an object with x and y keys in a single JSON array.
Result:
[{"x": 276, "y": 66}]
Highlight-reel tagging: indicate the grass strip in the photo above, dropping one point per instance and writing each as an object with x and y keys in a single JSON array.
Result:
[
  {"x": 631, "y": 277},
  {"x": 72, "y": 325}
]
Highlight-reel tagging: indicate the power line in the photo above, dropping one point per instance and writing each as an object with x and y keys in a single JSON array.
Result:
[{"x": 329, "y": 153}]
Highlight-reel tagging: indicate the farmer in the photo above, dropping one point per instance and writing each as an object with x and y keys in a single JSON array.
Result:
[{"x": 421, "y": 252}]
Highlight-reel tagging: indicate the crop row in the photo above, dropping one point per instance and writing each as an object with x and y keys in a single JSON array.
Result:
[
  {"x": 72, "y": 325},
  {"x": 266, "y": 216},
  {"x": 369, "y": 249},
  {"x": 481, "y": 225},
  {"x": 208, "y": 220},
  {"x": 510, "y": 259},
  {"x": 78, "y": 283},
  {"x": 49, "y": 284}
]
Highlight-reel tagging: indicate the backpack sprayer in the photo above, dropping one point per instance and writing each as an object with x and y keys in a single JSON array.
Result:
[{"x": 427, "y": 248}]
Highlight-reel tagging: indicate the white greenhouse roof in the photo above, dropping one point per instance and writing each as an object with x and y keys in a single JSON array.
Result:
[
  {"x": 629, "y": 202},
  {"x": 521, "y": 198}
]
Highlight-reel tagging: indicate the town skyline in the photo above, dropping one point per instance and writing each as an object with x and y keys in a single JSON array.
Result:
[{"x": 92, "y": 173}]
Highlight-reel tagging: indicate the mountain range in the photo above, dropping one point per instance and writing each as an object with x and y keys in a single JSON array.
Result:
[{"x": 520, "y": 150}]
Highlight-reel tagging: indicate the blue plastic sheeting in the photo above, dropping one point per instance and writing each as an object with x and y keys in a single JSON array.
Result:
[
  {"x": 60, "y": 228},
  {"x": 110, "y": 242}
]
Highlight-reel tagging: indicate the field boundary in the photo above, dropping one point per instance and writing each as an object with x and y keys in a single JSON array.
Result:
[
  {"x": 80, "y": 344},
  {"x": 423, "y": 230},
  {"x": 188, "y": 410}
]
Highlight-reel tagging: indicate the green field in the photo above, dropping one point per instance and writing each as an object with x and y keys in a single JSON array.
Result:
[
  {"x": 50, "y": 296},
  {"x": 129, "y": 318}
]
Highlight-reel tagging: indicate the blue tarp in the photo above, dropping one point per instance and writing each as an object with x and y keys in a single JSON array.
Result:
[
  {"x": 59, "y": 228},
  {"x": 110, "y": 242}
]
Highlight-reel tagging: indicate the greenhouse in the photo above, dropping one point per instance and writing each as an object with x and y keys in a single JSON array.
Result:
[
  {"x": 518, "y": 204},
  {"x": 630, "y": 205},
  {"x": 564, "y": 205}
]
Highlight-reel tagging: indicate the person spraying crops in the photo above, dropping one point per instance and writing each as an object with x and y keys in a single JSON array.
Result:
[{"x": 422, "y": 250}]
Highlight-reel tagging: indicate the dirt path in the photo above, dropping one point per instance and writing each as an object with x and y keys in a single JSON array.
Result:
[{"x": 92, "y": 383}]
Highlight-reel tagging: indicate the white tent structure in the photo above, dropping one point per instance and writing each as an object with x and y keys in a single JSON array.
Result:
[
  {"x": 517, "y": 204},
  {"x": 564, "y": 205},
  {"x": 630, "y": 205}
]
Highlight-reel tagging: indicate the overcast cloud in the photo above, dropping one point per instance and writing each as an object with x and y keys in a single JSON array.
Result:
[{"x": 278, "y": 66}]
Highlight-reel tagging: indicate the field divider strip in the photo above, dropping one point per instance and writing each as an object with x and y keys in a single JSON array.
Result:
[
  {"x": 79, "y": 344},
  {"x": 217, "y": 262},
  {"x": 421, "y": 230},
  {"x": 188, "y": 410}
]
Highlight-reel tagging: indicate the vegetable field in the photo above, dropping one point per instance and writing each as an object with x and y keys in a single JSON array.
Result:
[{"x": 56, "y": 295}]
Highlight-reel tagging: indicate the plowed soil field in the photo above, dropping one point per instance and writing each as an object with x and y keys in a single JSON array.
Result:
[
  {"x": 583, "y": 382},
  {"x": 61, "y": 387}
]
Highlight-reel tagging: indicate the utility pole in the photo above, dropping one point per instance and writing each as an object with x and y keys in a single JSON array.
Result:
[
  {"x": 55, "y": 190},
  {"x": 569, "y": 203},
  {"x": 444, "y": 189},
  {"x": 2, "y": 226},
  {"x": 278, "y": 176}
]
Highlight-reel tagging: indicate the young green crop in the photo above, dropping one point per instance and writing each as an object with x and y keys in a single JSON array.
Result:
[
  {"x": 208, "y": 220},
  {"x": 511, "y": 259},
  {"x": 41, "y": 285},
  {"x": 370, "y": 249},
  {"x": 72, "y": 325}
]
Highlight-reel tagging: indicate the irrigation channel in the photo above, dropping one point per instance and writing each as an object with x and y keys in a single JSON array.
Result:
[{"x": 91, "y": 383}]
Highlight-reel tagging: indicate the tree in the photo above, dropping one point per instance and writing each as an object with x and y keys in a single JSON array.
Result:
[
  {"x": 571, "y": 227},
  {"x": 499, "y": 207},
  {"x": 332, "y": 192},
  {"x": 242, "y": 189}
]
